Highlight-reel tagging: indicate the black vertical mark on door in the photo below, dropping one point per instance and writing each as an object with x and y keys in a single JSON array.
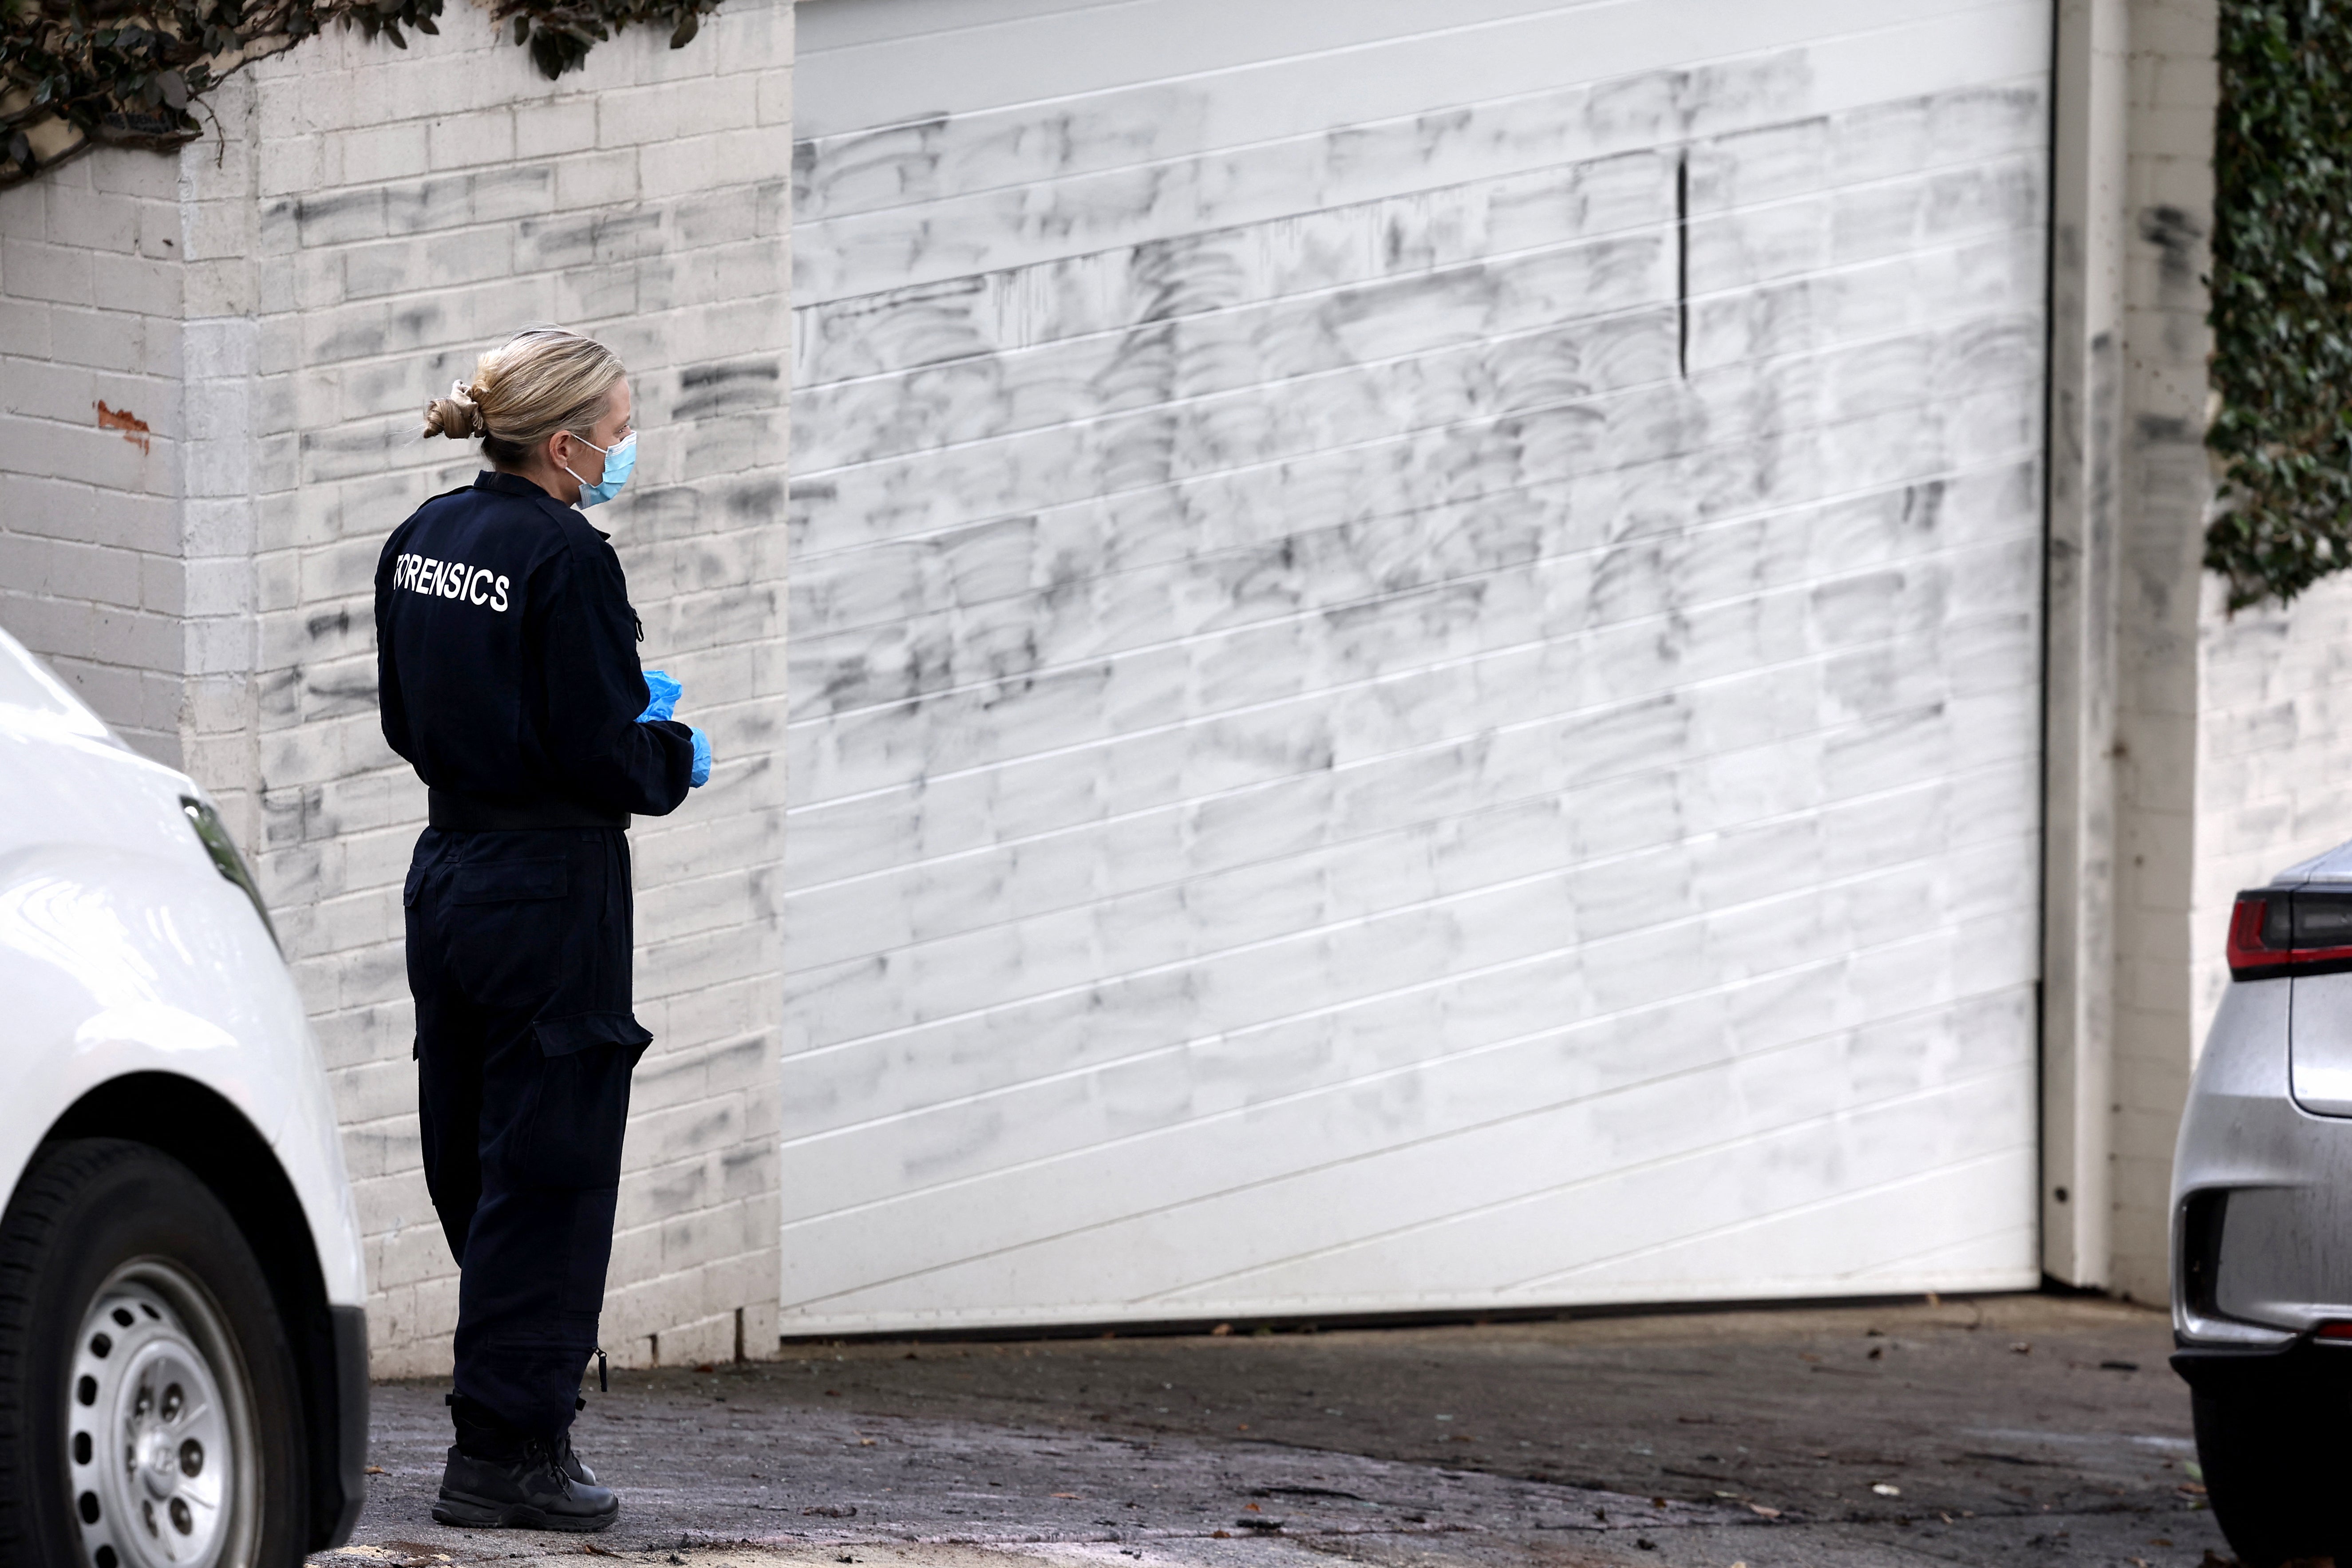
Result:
[{"x": 1682, "y": 265}]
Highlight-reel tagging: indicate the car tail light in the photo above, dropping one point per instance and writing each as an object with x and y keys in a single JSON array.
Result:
[
  {"x": 2334, "y": 1331},
  {"x": 2284, "y": 931}
]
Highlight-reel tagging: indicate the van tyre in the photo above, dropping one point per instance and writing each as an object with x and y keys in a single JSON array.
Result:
[
  {"x": 2273, "y": 1466},
  {"x": 150, "y": 1411}
]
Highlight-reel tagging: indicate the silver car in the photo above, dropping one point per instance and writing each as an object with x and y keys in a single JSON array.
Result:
[{"x": 2261, "y": 1222}]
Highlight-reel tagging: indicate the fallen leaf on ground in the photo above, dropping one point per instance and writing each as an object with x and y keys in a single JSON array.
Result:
[
  {"x": 1760, "y": 1511},
  {"x": 1882, "y": 1489},
  {"x": 377, "y": 1471},
  {"x": 1065, "y": 1494}
]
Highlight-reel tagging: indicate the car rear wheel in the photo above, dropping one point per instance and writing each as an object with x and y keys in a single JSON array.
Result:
[
  {"x": 2273, "y": 1466},
  {"x": 150, "y": 1413}
]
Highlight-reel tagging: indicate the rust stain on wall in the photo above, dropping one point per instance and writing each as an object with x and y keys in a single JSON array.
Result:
[{"x": 133, "y": 428}]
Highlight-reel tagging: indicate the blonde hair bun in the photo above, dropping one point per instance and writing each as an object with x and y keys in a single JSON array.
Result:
[
  {"x": 541, "y": 381},
  {"x": 457, "y": 415}
]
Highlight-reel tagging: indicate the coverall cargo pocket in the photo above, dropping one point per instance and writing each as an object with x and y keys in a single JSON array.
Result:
[
  {"x": 585, "y": 1061},
  {"x": 513, "y": 936}
]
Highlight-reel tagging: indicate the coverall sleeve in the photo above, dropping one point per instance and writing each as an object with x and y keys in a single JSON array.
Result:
[
  {"x": 392, "y": 709},
  {"x": 595, "y": 691}
]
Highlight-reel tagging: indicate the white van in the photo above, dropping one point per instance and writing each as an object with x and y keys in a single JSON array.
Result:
[{"x": 183, "y": 1348}]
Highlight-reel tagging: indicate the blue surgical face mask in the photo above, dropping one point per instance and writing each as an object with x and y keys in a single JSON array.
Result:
[{"x": 620, "y": 461}]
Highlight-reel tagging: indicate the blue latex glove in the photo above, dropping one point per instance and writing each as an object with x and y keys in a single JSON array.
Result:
[
  {"x": 701, "y": 774},
  {"x": 665, "y": 693}
]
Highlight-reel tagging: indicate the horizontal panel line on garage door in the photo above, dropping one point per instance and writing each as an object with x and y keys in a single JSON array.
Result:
[
  {"x": 2003, "y": 1007},
  {"x": 1721, "y": 787},
  {"x": 1563, "y": 593},
  {"x": 1759, "y": 918},
  {"x": 1765, "y": 633},
  {"x": 1538, "y": 1152},
  {"x": 1548, "y": 437},
  {"x": 2000, "y": 1074},
  {"x": 1437, "y": 850},
  {"x": 1707, "y": 793},
  {"x": 1291, "y": 975},
  {"x": 2005, "y": 1155},
  {"x": 1150, "y": 48},
  {"x": 1082, "y": 51},
  {"x": 2029, "y": 1229},
  {"x": 1101, "y": 609},
  {"x": 1934, "y": 289},
  {"x": 1589, "y": 713},
  {"x": 1456, "y": 1088},
  {"x": 1131, "y": 215},
  {"x": 1592, "y": 744},
  {"x": 1351, "y": 245},
  {"x": 1583, "y": 709},
  {"x": 1836, "y": 515},
  {"x": 1588, "y": 493},
  {"x": 1458, "y": 386},
  {"x": 1999, "y": 115},
  {"x": 2011, "y": 1159},
  {"x": 1375, "y": 793},
  {"x": 1537, "y": 1284},
  {"x": 1594, "y": 105},
  {"x": 1822, "y": 218},
  {"x": 1338, "y": 248},
  {"x": 919, "y": 415},
  {"x": 969, "y": 1083},
  {"x": 1686, "y": 484}
]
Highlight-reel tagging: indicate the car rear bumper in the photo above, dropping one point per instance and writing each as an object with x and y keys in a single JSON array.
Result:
[
  {"x": 2262, "y": 1190},
  {"x": 2301, "y": 1366}
]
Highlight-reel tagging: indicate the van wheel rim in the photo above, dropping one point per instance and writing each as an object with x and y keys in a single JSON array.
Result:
[{"x": 159, "y": 1427}]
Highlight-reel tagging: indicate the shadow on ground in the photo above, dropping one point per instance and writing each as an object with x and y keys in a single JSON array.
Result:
[{"x": 2015, "y": 1429}]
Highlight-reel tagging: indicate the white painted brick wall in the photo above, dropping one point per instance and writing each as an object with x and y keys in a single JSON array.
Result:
[{"x": 278, "y": 306}]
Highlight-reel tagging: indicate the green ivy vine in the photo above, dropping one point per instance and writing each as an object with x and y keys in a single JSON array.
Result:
[
  {"x": 2281, "y": 297},
  {"x": 134, "y": 73}
]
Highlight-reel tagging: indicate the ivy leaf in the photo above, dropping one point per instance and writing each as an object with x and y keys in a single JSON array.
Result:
[{"x": 688, "y": 26}]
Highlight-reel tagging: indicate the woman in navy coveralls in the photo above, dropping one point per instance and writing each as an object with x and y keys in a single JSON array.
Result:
[{"x": 508, "y": 659}]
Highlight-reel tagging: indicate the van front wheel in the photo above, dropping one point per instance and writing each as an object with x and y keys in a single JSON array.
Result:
[{"x": 148, "y": 1408}]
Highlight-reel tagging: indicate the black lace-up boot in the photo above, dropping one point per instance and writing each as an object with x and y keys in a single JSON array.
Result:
[{"x": 498, "y": 1478}]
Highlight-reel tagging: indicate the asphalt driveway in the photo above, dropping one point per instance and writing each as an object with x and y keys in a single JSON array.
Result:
[{"x": 2004, "y": 1430}]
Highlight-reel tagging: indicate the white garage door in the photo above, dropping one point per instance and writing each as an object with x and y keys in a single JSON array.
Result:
[{"x": 1414, "y": 654}]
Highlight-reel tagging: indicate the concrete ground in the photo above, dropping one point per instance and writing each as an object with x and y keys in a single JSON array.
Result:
[{"x": 2007, "y": 1430}]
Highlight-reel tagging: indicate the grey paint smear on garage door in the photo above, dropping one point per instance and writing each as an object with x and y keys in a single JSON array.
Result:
[{"x": 1414, "y": 657}]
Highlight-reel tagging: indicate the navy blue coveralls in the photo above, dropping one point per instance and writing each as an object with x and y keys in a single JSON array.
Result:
[{"x": 506, "y": 653}]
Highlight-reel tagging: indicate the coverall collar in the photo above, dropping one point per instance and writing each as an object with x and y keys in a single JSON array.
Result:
[
  {"x": 516, "y": 485},
  {"x": 508, "y": 484}
]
